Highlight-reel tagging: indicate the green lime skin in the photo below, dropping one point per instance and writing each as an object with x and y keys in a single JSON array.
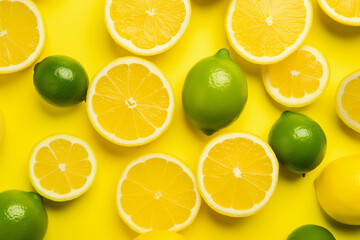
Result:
[
  {"x": 298, "y": 142},
  {"x": 61, "y": 81},
  {"x": 214, "y": 93},
  {"x": 311, "y": 232},
  {"x": 22, "y": 216}
]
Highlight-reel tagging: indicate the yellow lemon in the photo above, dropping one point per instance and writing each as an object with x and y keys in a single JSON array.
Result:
[
  {"x": 160, "y": 235},
  {"x": 345, "y": 11},
  {"x": 338, "y": 190},
  {"x": 22, "y": 34}
]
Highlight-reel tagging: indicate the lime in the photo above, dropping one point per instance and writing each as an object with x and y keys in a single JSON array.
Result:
[
  {"x": 214, "y": 93},
  {"x": 298, "y": 142},
  {"x": 160, "y": 235},
  {"x": 61, "y": 81},
  {"x": 22, "y": 216},
  {"x": 311, "y": 232},
  {"x": 338, "y": 189}
]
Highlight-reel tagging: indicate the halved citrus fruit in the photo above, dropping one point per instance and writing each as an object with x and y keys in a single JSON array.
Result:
[
  {"x": 237, "y": 174},
  {"x": 147, "y": 27},
  {"x": 157, "y": 192},
  {"x": 344, "y": 11},
  {"x": 299, "y": 79},
  {"x": 130, "y": 102},
  {"x": 21, "y": 34},
  {"x": 348, "y": 101},
  {"x": 265, "y": 31},
  {"x": 62, "y": 167}
]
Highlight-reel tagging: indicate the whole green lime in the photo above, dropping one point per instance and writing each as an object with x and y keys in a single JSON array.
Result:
[
  {"x": 61, "y": 81},
  {"x": 22, "y": 216},
  {"x": 311, "y": 232},
  {"x": 214, "y": 93},
  {"x": 298, "y": 142}
]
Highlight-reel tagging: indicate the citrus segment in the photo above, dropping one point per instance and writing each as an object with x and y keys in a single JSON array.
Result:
[
  {"x": 147, "y": 27},
  {"x": 344, "y": 11},
  {"x": 268, "y": 31},
  {"x": 237, "y": 174},
  {"x": 157, "y": 192},
  {"x": 348, "y": 101},
  {"x": 130, "y": 102},
  {"x": 21, "y": 35},
  {"x": 299, "y": 79},
  {"x": 62, "y": 167}
]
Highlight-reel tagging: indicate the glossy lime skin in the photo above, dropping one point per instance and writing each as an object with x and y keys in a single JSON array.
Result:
[
  {"x": 61, "y": 81},
  {"x": 215, "y": 92},
  {"x": 22, "y": 216},
  {"x": 298, "y": 142},
  {"x": 311, "y": 232}
]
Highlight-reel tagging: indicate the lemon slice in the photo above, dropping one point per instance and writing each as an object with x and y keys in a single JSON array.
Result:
[
  {"x": 62, "y": 167},
  {"x": 21, "y": 35},
  {"x": 298, "y": 80},
  {"x": 130, "y": 102},
  {"x": 348, "y": 101},
  {"x": 344, "y": 11},
  {"x": 157, "y": 192},
  {"x": 147, "y": 27},
  {"x": 265, "y": 31},
  {"x": 237, "y": 174}
]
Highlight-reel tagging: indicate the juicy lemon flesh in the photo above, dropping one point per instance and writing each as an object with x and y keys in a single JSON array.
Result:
[
  {"x": 130, "y": 101},
  {"x": 297, "y": 76},
  {"x": 62, "y": 166},
  {"x": 157, "y": 194},
  {"x": 19, "y": 33},
  {"x": 147, "y": 23},
  {"x": 346, "y": 8},
  {"x": 237, "y": 173},
  {"x": 350, "y": 99},
  {"x": 268, "y": 28}
]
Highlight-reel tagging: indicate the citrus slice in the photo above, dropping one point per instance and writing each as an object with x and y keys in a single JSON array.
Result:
[
  {"x": 147, "y": 27},
  {"x": 344, "y": 11},
  {"x": 130, "y": 102},
  {"x": 265, "y": 31},
  {"x": 62, "y": 167},
  {"x": 348, "y": 101},
  {"x": 299, "y": 79},
  {"x": 157, "y": 192},
  {"x": 237, "y": 174},
  {"x": 21, "y": 35}
]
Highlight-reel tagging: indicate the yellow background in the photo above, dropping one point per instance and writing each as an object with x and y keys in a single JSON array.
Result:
[{"x": 76, "y": 28}]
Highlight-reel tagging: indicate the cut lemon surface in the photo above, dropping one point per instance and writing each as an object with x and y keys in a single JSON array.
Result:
[
  {"x": 157, "y": 192},
  {"x": 147, "y": 27},
  {"x": 265, "y": 32},
  {"x": 299, "y": 79},
  {"x": 348, "y": 101},
  {"x": 62, "y": 167},
  {"x": 344, "y": 11},
  {"x": 130, "y": 102},
  {"x": 237, "y": 174},
  {"x": 21, "y": 34}
]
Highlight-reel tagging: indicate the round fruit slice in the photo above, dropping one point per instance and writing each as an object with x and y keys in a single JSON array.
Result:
[
  {"x": 237, "y": 174},
  {"x": 345, "y": 11},
  {"x": 265, "y": 31},
  {"x": 62, "y": 167},
  {"x": 157, "y": 192},
  {"x": 298, "y": 80},
  {"x": 130, "y": 102},
  {"x": 348, "y": 101},
  {"x": 21, "y": 35},
  {"x": 147, "y": 27}
]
